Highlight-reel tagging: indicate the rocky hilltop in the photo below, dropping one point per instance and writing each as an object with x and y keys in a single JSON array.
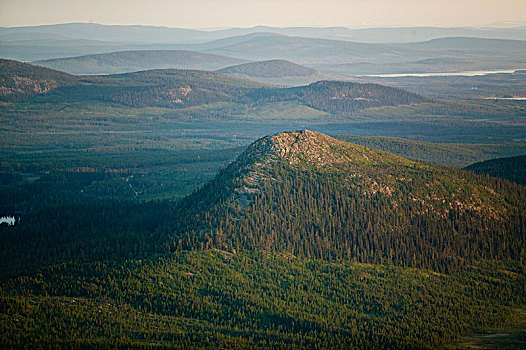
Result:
[{"x": 306, "y": 147}]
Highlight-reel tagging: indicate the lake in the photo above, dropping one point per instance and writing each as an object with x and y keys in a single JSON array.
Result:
[
  {"x": 506, "y": 98},
  {"x": 9, "y": 220},
  {"x": 470, "y": 73}
]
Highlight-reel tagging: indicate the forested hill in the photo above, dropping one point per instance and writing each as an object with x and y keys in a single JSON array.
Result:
[
  {"x": 511, "y": 168},
  {"x": 269, "y": 69},
  {"x": 173, "y": 88},
  {"x": 340, "y": 97},
  {"x": 131, "y": 61},
  {"x": 180, "y": 88},
  {"x": 268, "y": 255},
  {"x": 176, "y": 88},
  {"x": 311, "y": 195},
  {"x": 458, "y": 155},
  {"x": 21, "y": 80}
]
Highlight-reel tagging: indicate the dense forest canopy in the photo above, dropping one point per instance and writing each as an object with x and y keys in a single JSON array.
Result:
[
  {"x": 314, "y": 196},
  {"x": 269, "y": 69},
  {"x": 19, "y": 81},
  {"x": 132, "y": 61},
  {"x": 457, "y": 155},
  {"x": 511, "y": 168},
  {"x": 142, "y": 220},
  {"x": 302, "y": 241},
  {"x": 174, "y": 88}
]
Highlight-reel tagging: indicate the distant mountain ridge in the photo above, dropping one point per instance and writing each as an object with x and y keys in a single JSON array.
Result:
[
  {"x": 160, "y": 34},
  {"x": 468, "y": 43},
  {"x": 328, "y": 50},
  {"x": 131, "y": 61},
  {"x": 302, "y": 50}
]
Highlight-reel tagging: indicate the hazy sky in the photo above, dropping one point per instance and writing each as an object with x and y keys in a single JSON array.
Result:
[{"x": 245, "y": 13}]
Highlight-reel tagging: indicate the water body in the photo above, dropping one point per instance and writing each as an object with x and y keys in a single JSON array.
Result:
[
  {"x": 506, "y": 98},
  {"x": 470, "y": 73},
  {"x": 9, "y": 220}
]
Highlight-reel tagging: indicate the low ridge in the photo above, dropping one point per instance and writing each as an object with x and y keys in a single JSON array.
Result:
[
  {"x": 131, "y": 61},
  {"x": 511, "y": 168},
  {"x": 340, "y": 98},
  {"x": 20, "y": 80},
  {"x": 269, "y": 69}
]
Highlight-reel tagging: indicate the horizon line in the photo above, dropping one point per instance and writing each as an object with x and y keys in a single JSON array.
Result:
[{"x": 516, "y": 25}]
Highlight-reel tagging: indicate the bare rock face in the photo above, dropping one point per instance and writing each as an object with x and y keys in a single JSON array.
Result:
[
  {"x": 307, "y": 148},
  {"x": 314, "y": 148}
]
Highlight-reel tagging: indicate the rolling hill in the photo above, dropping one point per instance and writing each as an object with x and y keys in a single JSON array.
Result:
[
  {"x": 168, "y": 87},
  {"x": 20, "y": 80},
  {"x": 511, "y": 168},
  {"x": 176, "y": 88},
  {"x": 279, "y": 73},
  {"x": 337, "y": 97},
  {"x": 183, "y": 88},
  {"x": 322, "y": 54},
  {"x": 131, "y": 61},
  {"x": 471, "y": 44},
  {"x": 101, "y": 32},
  {"x": 458, "y": 155},
  {"x": 309, "y": 51},
  {"x": 269, "y": 69},
  {"x": 416, "y": 34}
]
